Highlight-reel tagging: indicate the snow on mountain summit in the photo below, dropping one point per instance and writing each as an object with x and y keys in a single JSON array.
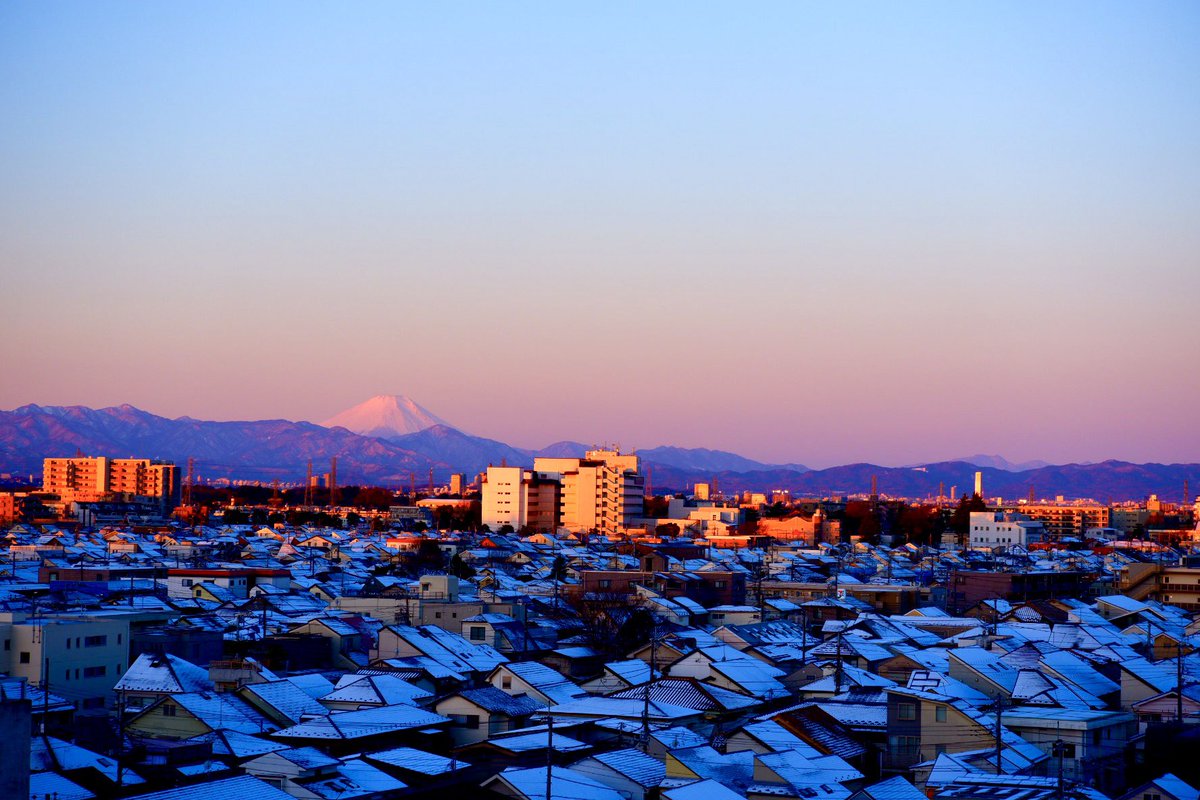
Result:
[{"x": 386, "y": 416}]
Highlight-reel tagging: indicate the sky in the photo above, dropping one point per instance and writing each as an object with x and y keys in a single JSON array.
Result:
[{"x": 805, "y": 232}]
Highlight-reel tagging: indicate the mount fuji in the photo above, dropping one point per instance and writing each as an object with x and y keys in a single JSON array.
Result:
[{"x": 386, "y": 416}]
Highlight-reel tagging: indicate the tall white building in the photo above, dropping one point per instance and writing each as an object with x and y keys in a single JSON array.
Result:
[
  {"x": 603, "y": 491},
  {"x": 521, "y": 498}
]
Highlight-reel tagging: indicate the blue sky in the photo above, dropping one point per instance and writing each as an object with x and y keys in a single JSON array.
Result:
[{"x": 806, "y": 232}]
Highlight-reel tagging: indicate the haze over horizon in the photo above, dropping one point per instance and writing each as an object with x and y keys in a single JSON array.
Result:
[{"x": 817, "y": 233}]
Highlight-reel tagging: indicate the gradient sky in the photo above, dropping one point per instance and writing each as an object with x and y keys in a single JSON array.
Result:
[{"x": 814, "y": 232}]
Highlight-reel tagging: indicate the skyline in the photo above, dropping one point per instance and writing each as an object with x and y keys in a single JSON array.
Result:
[
  {"x": 983, "y": 459},
  {"x": 819, "y": 234}
]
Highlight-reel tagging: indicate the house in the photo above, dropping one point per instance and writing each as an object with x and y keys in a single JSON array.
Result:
[
  {"x": 308, "y": 774},
  {"x": 629, "y": 771},
  {"x": 152, "y": 677},
  {"x": 1168, "y": 787},
  {"x": 357, "y": 691},
  {"x": 478, "y": 714},
  {"x": 565, "y": 784},
  {"x": 618, "y": 675},
  {"x": 191, "y": 714},
  {"x": 361, "y": 731},
  {"x": 535, "y": 680}
]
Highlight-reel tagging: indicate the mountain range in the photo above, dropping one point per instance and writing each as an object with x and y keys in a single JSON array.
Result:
[{"x": 387, "y": 440}]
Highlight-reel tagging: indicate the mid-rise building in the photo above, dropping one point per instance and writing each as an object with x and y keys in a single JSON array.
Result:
[
  {"x": 88, "y": 479},
  {"x": 521, "y": 498},
  {"x": 1064, "y": 520},
  {"x": 77, "y": 657},
  {"x": 994, "y": 530},
  {"x": 603, "y": 491}
]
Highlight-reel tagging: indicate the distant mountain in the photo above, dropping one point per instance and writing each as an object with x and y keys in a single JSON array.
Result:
[
  {"x": 466, "y": 453},
  {"x": 1000, "y": 462},
  {"x": 268, "y": 449},
  {"x": 254, "y": 450},
  {"x": 1109, "y": 480},
  {"x": 699, "y": 459},
  {"x": 564, "y": 449},
  {"x": 386, "y": 416}
]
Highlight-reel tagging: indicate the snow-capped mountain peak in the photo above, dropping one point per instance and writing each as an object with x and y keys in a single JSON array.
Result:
[{"x": 386, "y": 416}]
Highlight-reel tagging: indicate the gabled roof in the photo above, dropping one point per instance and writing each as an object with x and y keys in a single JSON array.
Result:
[
  {"x": 689, "y": 693},
  {"x": 567, "y": 784},
  {"x": 289, "y": 700},
  {"x": 163, "y": 674},
  {"x": 362, "y": 723},
  {"x": 495, "y": 701},
  {"x": 635, "y": 765},
  {"x": 381, "y": 690}
]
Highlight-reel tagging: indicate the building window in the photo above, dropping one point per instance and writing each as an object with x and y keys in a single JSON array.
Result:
[
  {"x": 168, "y": 710},
  {"x": 24, "y": 656},
  {"x": 95, "y": 641},
  {"x": 478, "y": 634},
  {"x": 940, "y": 714},
  {"x": 906, "y": 711},
  {"x": 94, "y": 672},
  {"x": 505, "y": 682}
]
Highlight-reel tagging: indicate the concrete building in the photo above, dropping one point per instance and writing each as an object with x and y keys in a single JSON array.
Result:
[
  {"x": 101, "y": 478},
  {"x": 77, "y": 657},
  {"x": 1066, "y": 520},
  {"x": 521, "y": 498},
  {"x": 994, "y": 530},
  {"x": 603, "y": 491}
]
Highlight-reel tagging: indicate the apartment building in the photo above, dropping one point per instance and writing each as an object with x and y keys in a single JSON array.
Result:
[
  {"x": 93, "y": 479},
  {"x": 995, "y": 530},
  {"x": 521, "y": 498},
  {"x": 1063, "y": 520},
  {"x": 78, "y": 658},
  {"x": 603, "y": 491}
]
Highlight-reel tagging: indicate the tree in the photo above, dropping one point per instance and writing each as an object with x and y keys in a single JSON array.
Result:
[
  {"x": 428, "y": 558},
  {"x": 461, "y": 569},
  {"x": 667, "y": 530},
  {"x": 506, "y": 529},
  {"x": 558, "y": 572},
  {"x": 960, "y": 520},
  {"x": 603, "y": 614}
]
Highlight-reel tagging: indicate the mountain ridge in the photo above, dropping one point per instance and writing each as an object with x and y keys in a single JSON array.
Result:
[{"x": 269, "y": 449}]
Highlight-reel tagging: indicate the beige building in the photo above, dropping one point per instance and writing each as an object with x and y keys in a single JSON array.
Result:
[
  {"x": 603, "y": 491},
  {"x": 79, "y": 658},
  {"x": 1065, "y": 519},
  {"x": 91, "y": 479},
  {"x": 521, "y": 498}
]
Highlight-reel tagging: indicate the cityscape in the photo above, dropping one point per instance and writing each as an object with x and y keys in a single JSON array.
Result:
[{"x": 599, "y": 402}]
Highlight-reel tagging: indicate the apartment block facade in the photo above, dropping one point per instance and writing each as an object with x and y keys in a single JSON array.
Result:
[
  {"x": 603, "y": 491},
  {"x": 91, "y": 479}
]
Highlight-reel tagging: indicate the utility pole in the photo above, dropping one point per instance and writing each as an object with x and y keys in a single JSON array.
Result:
[
  {"x": 549, "y": 754},
  {"x": 645, "y": 737},
  {"x": 999, "y": 706},
  {"x": 1059, "y": 749},
  {"x": 1179, "y": 682},
  {"x": 839, "y": 673}
]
